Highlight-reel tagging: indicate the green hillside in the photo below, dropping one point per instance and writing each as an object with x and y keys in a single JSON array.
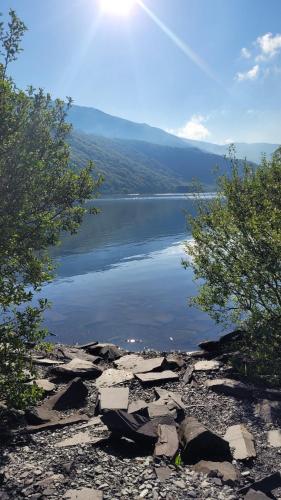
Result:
[{"x": 141, "y": 167}]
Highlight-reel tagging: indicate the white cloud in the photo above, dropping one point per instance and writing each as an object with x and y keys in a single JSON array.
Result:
[
  {"x": 269, "y": 45},
  {"x": 252, "y": 74},
  {"x": 245, "y": 53},
  {"x": 193, "y": 129}
]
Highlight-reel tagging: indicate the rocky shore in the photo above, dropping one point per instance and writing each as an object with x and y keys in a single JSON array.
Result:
[{"x": 119, "y": 425}]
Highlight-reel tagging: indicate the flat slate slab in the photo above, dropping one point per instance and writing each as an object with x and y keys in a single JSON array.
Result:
[
  {"x": 168, "y": 441},
  {"x": 274, "y": 438},
  {"x": 112, "y": 398},
  {"x": 73, "y": 395},
  {"x": 242, "y": 441},
  {"x": 112, "y": 377},
  {"x": 207, "y": 365},
  {"x": 77, "y": 368},
  {"x": 256, "y": 495},
  {"x": 137, "y": 364},
  {"x": 226, "y": 470},
  {"x": 83, "y": 494},
  {"x": 46, "y": 361},
  {"x": 157, "y": 377},
  {"x": 266, "y": 484},
  {"x": 56, "y": 423},
  {"x": 230, "y": 387},
  {"x": 171, "y": 399},
  {"x": 45, "y": 384},
  {"x": 157, "y": 410},
  {"x": 78, "y": 439},
  {"x": 163, "y": 473},
  {"x": 135, "y": 406}
]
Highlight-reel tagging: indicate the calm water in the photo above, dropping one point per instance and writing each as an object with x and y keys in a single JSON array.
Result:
[{"x": 121, "y": 278}]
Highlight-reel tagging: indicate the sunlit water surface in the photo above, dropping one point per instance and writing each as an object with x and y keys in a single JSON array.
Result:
[{"x": 120, "y": 279}]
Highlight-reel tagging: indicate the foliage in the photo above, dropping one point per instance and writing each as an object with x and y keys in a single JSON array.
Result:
[
  {"x": 42, "y": 194},
  {"x": 236, "y": 256}
]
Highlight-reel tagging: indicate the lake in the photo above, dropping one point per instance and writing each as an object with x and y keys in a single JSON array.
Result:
[{"x": 120, "y": 279}]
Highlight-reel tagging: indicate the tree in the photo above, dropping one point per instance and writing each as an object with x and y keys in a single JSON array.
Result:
[
  {"x": 236, "y": 256},
  {"x": 42, "y": 194}
]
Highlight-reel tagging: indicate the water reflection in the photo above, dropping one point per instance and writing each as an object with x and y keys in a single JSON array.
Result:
[{"x": 121, "y": 277}]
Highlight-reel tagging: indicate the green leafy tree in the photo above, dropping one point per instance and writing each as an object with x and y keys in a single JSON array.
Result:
[
  {"x": 236, "y": 258},
  {"x": 41, "y": 195}
]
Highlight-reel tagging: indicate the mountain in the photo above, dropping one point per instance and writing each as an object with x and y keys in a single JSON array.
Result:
[
  {"x": 142, "y": 167},
  {"x": 93, "y": 121}
]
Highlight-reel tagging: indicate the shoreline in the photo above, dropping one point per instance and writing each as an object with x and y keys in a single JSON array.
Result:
[{"x": 171, "y": 388}]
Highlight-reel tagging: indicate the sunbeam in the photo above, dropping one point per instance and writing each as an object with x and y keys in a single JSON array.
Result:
[{"x": 180, "y": 44}]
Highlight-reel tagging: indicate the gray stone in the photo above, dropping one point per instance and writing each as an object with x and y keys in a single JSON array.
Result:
[
  {"x": 135, "y": 406},
  {"x": 83, "y": 494},
  {"x": 112, "y": 377},
  {"x": 171, "y": 399},
  {"x": 225, "y": 470},
  {"x": 267, "y": 410},
  {"x": 163, "y": 473},
  {"x": 207, "y": 365},
  {"x": 274, "y": 438},
  {"x": 174, "y": 362},
  {"x": 72, "y": 396},
  {"x": 256, "y": 495},
  {"x": 265, "y": 485},
  {"x": 199, "y": 443},
  {"x": 230, "y": 387},
  {"x": 242, "y": 441},
  {"x": 76, "y": 353},
  {"x": 131, "y": 425},
  {"x": 111, "y": 398},
  {"x": 187, "y": 377},
  {"x": 137, "y": 364},
  {"x": 157, "y": 410},
  {"x": 46, "y": 361},
  {"x": 45, "y": 385},
  {"x": 157, "y": 377},
  {"x": 38, "y": 415},
  {"x": 77, "y": 368},
  {"x": 78, "y": 439},
  {"x": 56, "y": 423},
  {"x": 168, "y": 442}
]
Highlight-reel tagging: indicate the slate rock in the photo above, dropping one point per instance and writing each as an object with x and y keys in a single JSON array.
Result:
[
  {"x": 76, "y": 353},
  {"x": 86, "y": 346},
  {"x": 199, "y": 443},
  {"x": 214, "y": 346},
  {"x": 131, "y": 425},
  {"x": 274, "y": 438},
  {"x": 136, "y": 406},
  {"x": 157, "y": 410},
  {"x": 265, "y": 485},
  {"x": 207, "y": 365},
  {"x": 107, "y": 351},
  {"x": 46, "y": 361},
  {"x": 78, "y": 439},
  {"x": 174, "y": 362},
  {"x": 163, "y": 473},
  {"x": 268, "y": 411},
  {"x": 57, "y": 423},
  {"x": 112, "y": 398},
  {"x": 72, "y": 396},
  {"x": 230, "y": 387},
  {"x": 225, "y": 470},
  {"x": 172, "y": 400},
  {"x": 83, "y": 494},
  {"x": 137, "y": 364},
  {"x": 188, "y": 374},
  {"x": 168, "y": 442},
  {"x": 157, "y": 377},
  {"x": 77, "y": 368},
  {"x": 242, "y": 441},
  {"x": 112, "y": 377},
  {"x": 256, "y": 495},
  {"x": 45, "y": 385},
  {"x": 38, "y": 415}
]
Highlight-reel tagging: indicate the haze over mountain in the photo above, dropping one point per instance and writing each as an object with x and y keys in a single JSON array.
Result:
[
  {"x": 94, "y": 121},
  {"x": 138, "y": 158}
]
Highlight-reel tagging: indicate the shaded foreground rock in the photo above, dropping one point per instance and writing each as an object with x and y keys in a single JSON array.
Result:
[
  {"x": 266, "y": 485},
  {"x": 56, "y": 423},
  {"x": 199, "y": 443},
  {"x": 72, "y": 396},
  {"x": 131, "y": 425},
  {"x": 256, "y": 495},
  {"x": 242, "y": 441},
  {"x": 78, "y": 439},
  {"x": 225, "y": 470},
  {"x": 217, "y": 346}
]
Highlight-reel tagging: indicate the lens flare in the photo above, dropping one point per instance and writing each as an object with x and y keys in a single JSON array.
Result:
[{"x": 117, "y": 7}]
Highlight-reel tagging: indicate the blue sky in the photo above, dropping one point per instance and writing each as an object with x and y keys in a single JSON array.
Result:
[{"x": 204, "y": 69}]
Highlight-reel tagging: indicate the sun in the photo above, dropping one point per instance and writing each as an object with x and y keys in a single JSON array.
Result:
[{"x": 117, "y": 7}]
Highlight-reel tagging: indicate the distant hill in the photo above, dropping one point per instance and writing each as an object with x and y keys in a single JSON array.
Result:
[
  {"x": 142, "y": 167},
  {"x": 93, "y": 121}
]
